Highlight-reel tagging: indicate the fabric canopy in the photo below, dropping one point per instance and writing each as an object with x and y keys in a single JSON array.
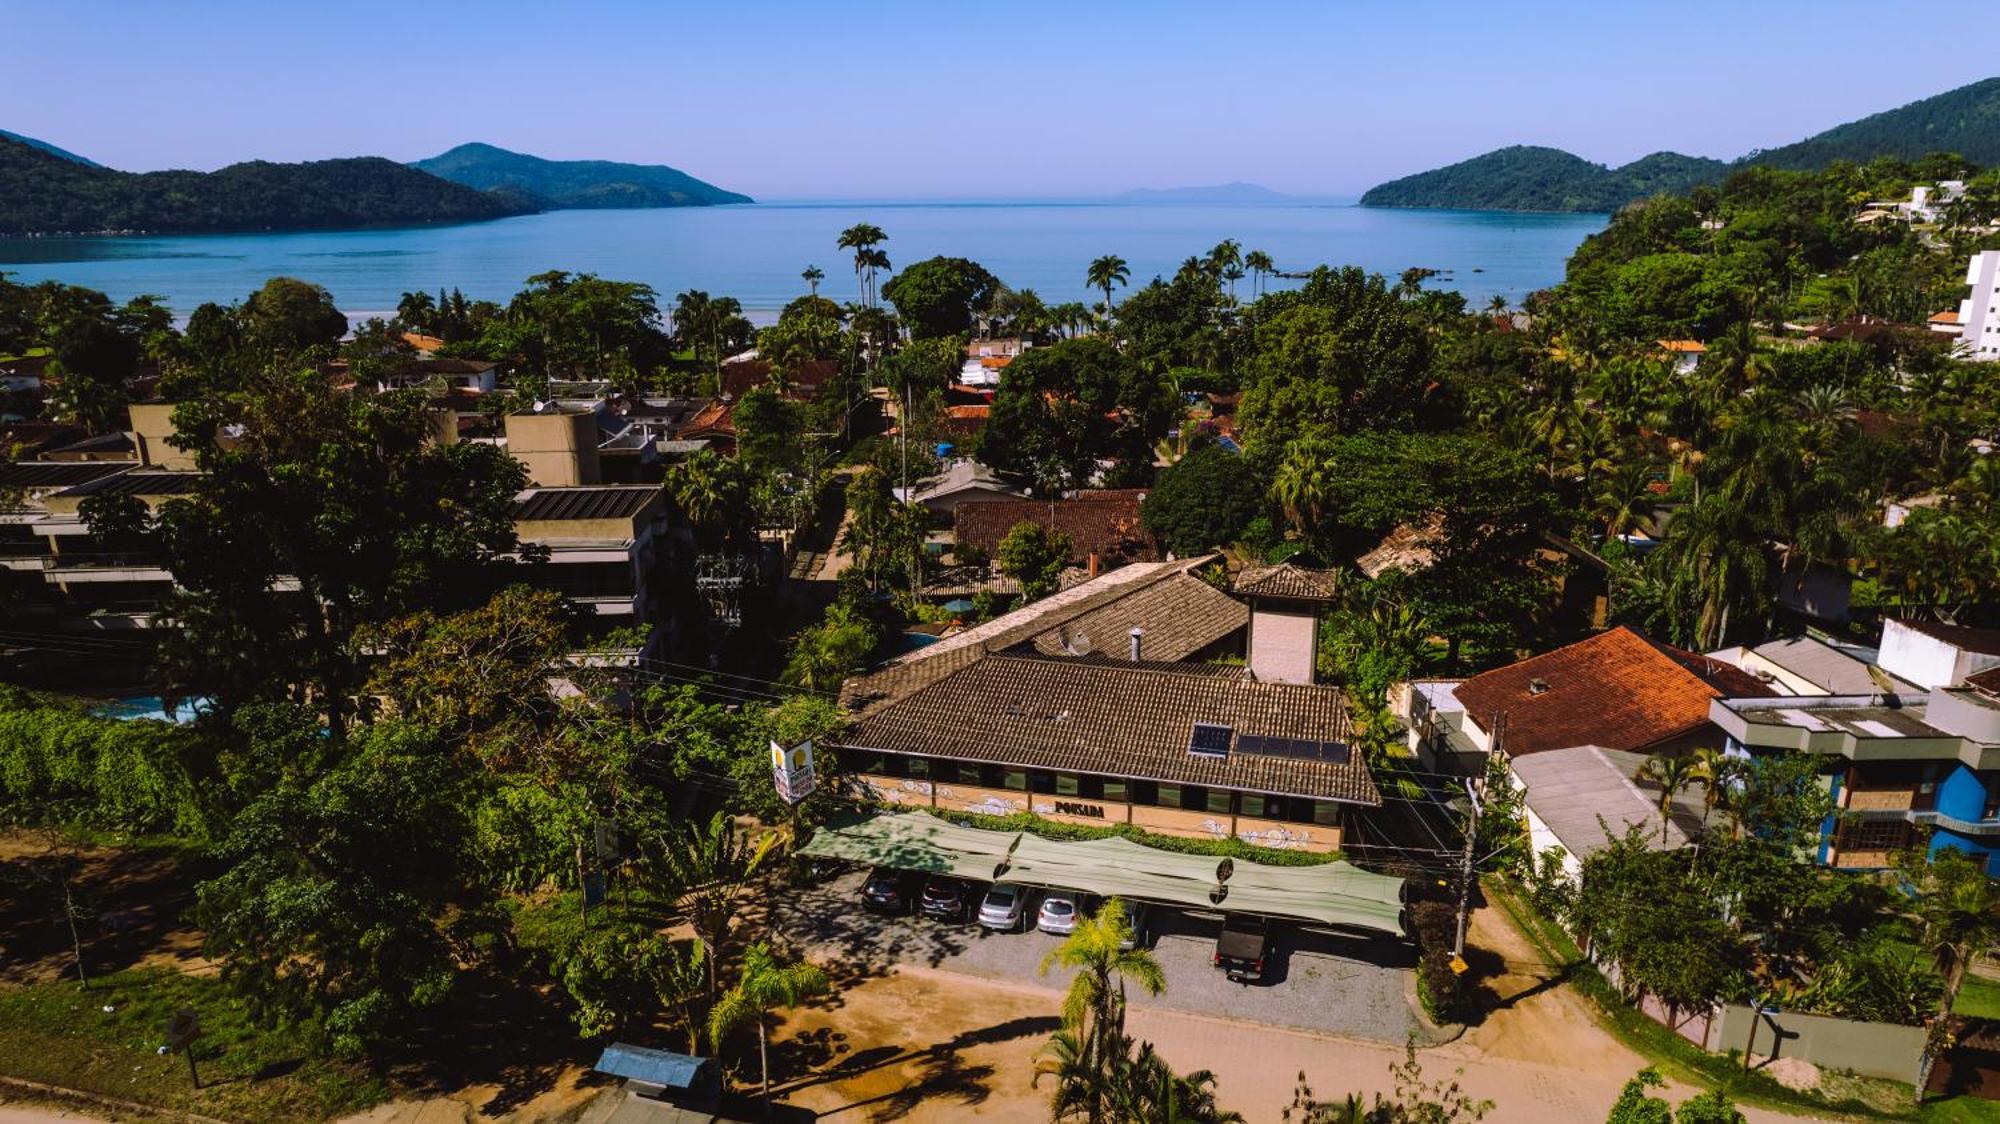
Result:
[{"x": 1333, "y": 893}]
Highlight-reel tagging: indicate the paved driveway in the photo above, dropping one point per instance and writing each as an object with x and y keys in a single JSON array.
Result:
[{"x": 1314, "y": 979}]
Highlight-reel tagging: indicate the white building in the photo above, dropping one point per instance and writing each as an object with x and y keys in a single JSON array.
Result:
[{"x": 1979, "y": 314}]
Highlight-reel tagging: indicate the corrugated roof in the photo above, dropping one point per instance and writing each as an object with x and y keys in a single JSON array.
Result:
[
  {"x": 138, "y": 482},
  {"x": 1825, "y": 666},
  {"x": 1123, "y": 720},
  {"x": 541, "y": 505},
  {"x": 653, "y": 1067},
  {"x": 1589, "y": 795},
  {"x": 39, "y": 476},
  {"x": 1616, "y": 689}
]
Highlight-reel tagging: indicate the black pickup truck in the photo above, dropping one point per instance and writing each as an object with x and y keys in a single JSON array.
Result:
[{"x": 1240, "y": 950}]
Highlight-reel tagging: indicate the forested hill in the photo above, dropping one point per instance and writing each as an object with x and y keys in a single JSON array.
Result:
[
  {"x": 1525, "y": 178},
  {"x": 49, "y": 148},
  {"x": 41, "y": 193},
  {"x": 1965, "y": 121},
  {"x": 565, "y": 184}
]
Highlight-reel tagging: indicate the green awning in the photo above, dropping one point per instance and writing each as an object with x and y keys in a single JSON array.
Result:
[{"x": 1334, "y": 893}]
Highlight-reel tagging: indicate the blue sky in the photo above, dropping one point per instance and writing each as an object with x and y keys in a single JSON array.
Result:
[{"x": 952, "y": 99}]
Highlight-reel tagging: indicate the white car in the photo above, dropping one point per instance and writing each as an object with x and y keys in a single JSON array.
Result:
[
  {"x": 1058, "y": 913},
  {"x": 1005, "y": 907}
]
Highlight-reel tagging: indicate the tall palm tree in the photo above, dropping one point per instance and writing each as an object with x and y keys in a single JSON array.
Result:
[
  {"x": 1259, "y": 264},
  {"x": 1092, "y": 1009},
  {"x": 707, "y": 866},
  {"x": 1304, "y": 484},
  {"x": 1722, "y": 777},
  {"x": 764, "y": 985},
  {"x": 863, "y": 237},
  {"x": 1227, "y": 255},
  {"x": 875, "y": 260},
  {"x": 1105, "y": 272},
  {"x": 1625, "y": 499},
  {"x": 812, "y": 276},
  {"x": 1672, "y": 773}
]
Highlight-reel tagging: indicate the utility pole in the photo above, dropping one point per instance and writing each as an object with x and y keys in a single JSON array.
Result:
[{"x": 1465, "y": 875}]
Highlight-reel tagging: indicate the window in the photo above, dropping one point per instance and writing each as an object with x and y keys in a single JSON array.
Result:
[
  {"x": 919, "y": 767},
  {"x": 1251, "y": 804},
  {"x": 1143, "y": 792},
  {"x": 1874, "y": 835},
  {"x": 1066, "y": 785},
  {"x": 1090, "y": 788},
  {"x": 1326, "y": 813},
  {"x": 1042, "y": 781},
  {"x": 1221, "y": 802},
  {"x": 1169, "y": 795},
  {"x": 1991, "y": 808},
  {"x": 1016, "y": 779},
  {"x": 1119, "y": 790}
]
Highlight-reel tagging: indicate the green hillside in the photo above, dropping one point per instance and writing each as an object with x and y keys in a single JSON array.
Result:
[
  {"x": 566, "y": 184},
  {"x": 1525, "y": 178},
  {"x": 1965, "y": 121},
  {"x": 49, "y": 148},
  {"x": 41, "y": 193}
]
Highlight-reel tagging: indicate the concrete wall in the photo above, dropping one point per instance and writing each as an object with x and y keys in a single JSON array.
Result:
[
  {"x": 1873, "y": 1049},
  {"x": 559, "y": 449},
  {"x": 1925, "y": 660},
  {"x": 152, "y": 424},
  {"x": 1282, "y": 647}
]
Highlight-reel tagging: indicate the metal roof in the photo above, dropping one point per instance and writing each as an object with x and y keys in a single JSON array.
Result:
[
  {"x": 1588, "y": 795},
  {"x": 587, "y": 502},
  {"x": 138, "y": 483},
  {"x": 1823, "y": 665},
  {"x": 653, "y": 1067},
  {"x": 37, "y": 476}
]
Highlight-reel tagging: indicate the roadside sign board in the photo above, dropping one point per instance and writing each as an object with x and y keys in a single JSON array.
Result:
[
  {"x": 792, "y": 770},
  {"x": 183, "y": 1027}
]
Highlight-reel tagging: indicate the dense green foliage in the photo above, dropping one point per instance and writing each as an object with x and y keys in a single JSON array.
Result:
[
  {"x": 41, "y": 193},
  {"x": 61, "y": 765},
  {"x": 1206, "y": 500},
  {"x": 572, "y": 184},
  {"x": 1965, "y": 121},
  {"x": 1530, "y": 178}
]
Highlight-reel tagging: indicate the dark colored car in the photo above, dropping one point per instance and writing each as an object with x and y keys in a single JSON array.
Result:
[
  {"x": 889, "y": 890},
  {"x": 1241, "y": 948},
  {"x": 946, "y": 899}
]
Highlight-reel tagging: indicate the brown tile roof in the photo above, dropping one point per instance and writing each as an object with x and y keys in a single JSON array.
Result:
[
  {"x": 1123, "y": 720},
  {"x": 1288, "y": 581},
  {"x": 1178, "y": 622},
  {"x": 1685, "y": 347},
  {"x": 1948, "y": 316},
  {"x": 711, "y": 420},
  {"x": 1985, "y": 641},
  {"x": 1105, "y": 523},
  {"x": 1987, "y": 681},
  {"x": 1407, "y": 548},
  {"x": 968, "y": 413},
  {"x": 1617, "y": 689},
  {"x": 804, "y": 382}
]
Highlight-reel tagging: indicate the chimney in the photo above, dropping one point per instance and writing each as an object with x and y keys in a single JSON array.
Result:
[
  {"x": 1138, "y": 637},
  {"x": 1093, "y": 563}
]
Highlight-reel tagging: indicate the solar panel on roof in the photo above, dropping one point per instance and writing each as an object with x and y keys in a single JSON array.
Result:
[
  {"x": 1302, "y": 749},
  {"x": 1210, "y": 740}
]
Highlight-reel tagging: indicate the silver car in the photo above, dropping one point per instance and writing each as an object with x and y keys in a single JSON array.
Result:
[
  {"x": 1058, "y": 913},
  {"x": 1005, "y": 907}
]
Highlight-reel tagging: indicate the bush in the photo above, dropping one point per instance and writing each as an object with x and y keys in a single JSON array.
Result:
[
  {"x": 1436, "y": 927},
  {"x": 61, "y": 765}
]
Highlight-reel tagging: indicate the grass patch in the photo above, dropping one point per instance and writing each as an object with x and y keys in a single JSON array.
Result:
[
  {"x": 1676, "y": 1057},
  {"x": 1961, "y": 1110},
  {"x": 1978, "y": 997},
  {"x": 60, "y": 1034}
]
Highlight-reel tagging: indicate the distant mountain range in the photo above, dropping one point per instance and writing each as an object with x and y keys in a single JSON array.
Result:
[
  {"x": 49, "y": 190},
  {"x": 1522, "y": 178},
  {"x": 573, "y": 184}
]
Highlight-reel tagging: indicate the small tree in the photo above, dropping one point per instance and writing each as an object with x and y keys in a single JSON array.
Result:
[
  {"x": 708, "y": 866},
  {"x": 1034, "y": 556},
  {"x": 765, "y": 985}
]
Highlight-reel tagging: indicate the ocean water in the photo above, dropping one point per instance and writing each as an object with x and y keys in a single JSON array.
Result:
[{"x": 755, "y": 253}]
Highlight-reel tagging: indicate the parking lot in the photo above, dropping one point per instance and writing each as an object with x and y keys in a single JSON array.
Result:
[{"x": 1314, "y": 980}]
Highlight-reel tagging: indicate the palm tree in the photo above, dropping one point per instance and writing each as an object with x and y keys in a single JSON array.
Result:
[
  {"x": 813, "y": 276},
  {"x": 1625, "y": 501},
  {"x": 763, "y": 985},
  {"x": 1672, "y": 774},
  {"x": 862, "y": 238},
  {"x": 1959, "y": 911},
  {"x": 1148, "y": 1089},
  {"x": 1304, "y": 484},
  {"x": 1105, "y": 272},
  {"x": 1092, "y": 1010},
  {"x": 1258, "y": 263},
  {"x": 708, "y": 866},
  {"x": 875, "y": 260},
  {"x": 1722, "y": 777},
  {"x": 1227, "y": 255}
]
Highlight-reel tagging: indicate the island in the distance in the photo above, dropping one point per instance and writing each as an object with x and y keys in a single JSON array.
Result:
[
  {"x": 574, "y": 184},
  {"x": 1965, "y": 121},
  {"x": 48, "y": 190}
]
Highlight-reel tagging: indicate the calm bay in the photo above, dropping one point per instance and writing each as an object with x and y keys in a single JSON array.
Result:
[{"x": 755, "y": 253}]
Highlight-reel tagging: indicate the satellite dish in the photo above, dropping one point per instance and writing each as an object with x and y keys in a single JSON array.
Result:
[
  {"x": 1080, "y": 644},
  {"x": 1882, "y": 682}
]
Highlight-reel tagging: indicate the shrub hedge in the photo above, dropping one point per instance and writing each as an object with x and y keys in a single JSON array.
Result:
[{"x": 60, "y": 764}]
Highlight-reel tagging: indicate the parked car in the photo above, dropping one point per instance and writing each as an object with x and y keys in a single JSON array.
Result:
[
  {"x": 946, "y": 899},
  {"x": 1059, "y": 912},
  {"x": 1005, "y": 907},
  {"x": 1136, "y": 915},
  {"x": 889, "y": 890},
  {"x": 1241, "y": 948}
]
